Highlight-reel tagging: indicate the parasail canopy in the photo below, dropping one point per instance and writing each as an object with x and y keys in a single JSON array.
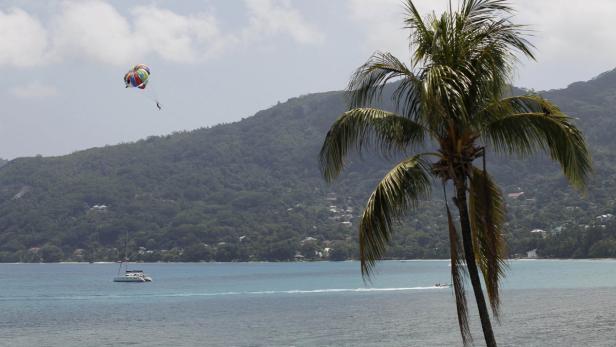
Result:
[{"x": 137, "y": 77}]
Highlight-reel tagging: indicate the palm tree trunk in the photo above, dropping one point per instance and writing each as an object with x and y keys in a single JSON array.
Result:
[{"x": 469, "y": 254}]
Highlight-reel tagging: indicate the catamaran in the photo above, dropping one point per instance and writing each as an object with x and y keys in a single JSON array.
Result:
[
  {"x": 134, "y": 276},
  {"x": 131, "y": 275}
]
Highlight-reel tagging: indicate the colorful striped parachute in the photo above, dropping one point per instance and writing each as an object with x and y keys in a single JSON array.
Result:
[{"x": 137, "y": 77}]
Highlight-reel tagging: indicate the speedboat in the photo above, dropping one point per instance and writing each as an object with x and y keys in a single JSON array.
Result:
[
  {"x": 442, "y": 285},
  {"x": 133, "y": 276}
]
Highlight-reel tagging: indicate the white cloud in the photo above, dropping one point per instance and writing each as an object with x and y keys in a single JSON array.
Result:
[
  {"x": 23, "y": 40},
  {"x": 94, "y": 30},
  {"x": 108, "y": 37},
  {"x": 175, "y": 37},
  {"x": 34, "y": 90},
  {"x": 575, "y": 36},
  {"x": 382, "y": 22},
  {"x": 574, "y": 42},
  {"x": 269, "y": 17},
  {"x": 573, "y": 29}
]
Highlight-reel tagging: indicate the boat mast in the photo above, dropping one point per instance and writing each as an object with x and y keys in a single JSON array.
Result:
[
  {"x": 126, "y": 251},
  {"x": 124, "y": 260}
]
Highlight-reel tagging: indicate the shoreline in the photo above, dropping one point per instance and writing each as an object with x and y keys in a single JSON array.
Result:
[{"x": 299, "y": 262}]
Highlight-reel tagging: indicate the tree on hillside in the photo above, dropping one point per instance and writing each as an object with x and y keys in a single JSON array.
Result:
[
  {"x": 51, "y": 254},
  {"x": 452, "y": 95}
]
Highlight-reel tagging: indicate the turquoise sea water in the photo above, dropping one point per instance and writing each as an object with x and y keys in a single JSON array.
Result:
[{"x": 545, "y": 303}]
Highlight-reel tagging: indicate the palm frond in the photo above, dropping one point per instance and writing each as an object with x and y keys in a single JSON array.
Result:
[
  {"x": 366, "y": 126},
  {"x": 444, "y": 90},
  {"x": 506, "y": 34},
  {"x": 526, "y": 124},
  {"x": 401, "y": 189},
  {"x": 487, "y": 215},
  {"x": 368, "y": 81},
  {"x": 490, "y": 40},
  {"x": 421, "y": 36},
  {"x": 466, "y": 59},
  {"x": 458, "y": 271},
  {"x": 478, "y": 12}
]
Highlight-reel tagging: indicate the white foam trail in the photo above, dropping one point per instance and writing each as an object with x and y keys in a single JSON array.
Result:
[
  {"x": 311, "y": 291},
  {"x": 263, "y": 292}
]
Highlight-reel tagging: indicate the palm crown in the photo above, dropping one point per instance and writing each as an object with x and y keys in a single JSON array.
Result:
[{"x": 451, "y": 94}]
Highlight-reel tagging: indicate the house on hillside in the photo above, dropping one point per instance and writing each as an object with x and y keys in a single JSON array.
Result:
[
  {"x": 326, "y": 252},
  {"x": 23, "y": 191},
  {"x": 543, "y": 233},
  {"x": 99, "y": 208},
  {"x": 605, "y": 217},
  {"x": 308, "y": 239}
]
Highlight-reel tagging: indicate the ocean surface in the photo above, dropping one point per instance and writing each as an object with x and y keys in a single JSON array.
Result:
[{"x": 545, "y": 303}]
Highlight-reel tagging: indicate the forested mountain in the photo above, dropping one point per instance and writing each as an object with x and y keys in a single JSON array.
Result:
[
  {"x": 252, "y": 190},
  {"x": 2, "y": 162}
]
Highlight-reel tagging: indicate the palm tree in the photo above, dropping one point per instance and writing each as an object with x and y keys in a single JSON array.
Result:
[{"x": 451, "y": 95}]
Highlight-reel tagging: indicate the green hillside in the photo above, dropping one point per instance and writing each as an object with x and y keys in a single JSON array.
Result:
[{"x": 251, "y": 190}]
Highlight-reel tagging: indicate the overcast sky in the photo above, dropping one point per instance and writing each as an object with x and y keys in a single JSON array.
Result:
[{"x": 216, "y": 61}]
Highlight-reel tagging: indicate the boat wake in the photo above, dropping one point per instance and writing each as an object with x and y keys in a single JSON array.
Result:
[
  {"x": 312, "y": 291},
  {"x": 237, "y": 293}
]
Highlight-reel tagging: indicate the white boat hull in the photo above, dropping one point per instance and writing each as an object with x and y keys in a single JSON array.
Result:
[
  {"x": 133, "y": 276},
  {"x": 129, "y": 279}
]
